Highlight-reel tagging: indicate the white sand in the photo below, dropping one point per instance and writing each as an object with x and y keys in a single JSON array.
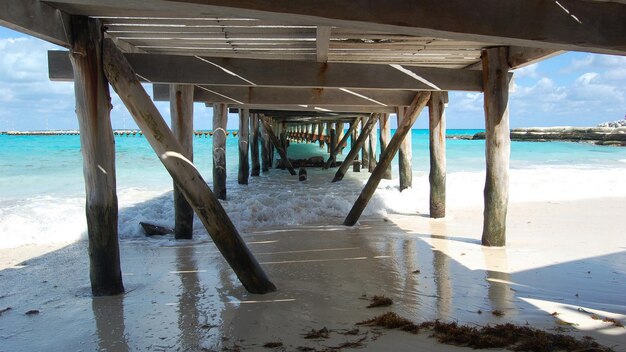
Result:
[{"x": 561, "y": 256}]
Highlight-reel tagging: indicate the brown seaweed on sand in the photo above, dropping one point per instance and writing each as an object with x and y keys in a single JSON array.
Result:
[
  {"x": 380, "y": 301},
  {"x": 317, "y": 334},
  {"x": 516, "y": 338}
]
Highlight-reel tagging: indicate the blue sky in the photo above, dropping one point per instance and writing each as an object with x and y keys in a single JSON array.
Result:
[{"x": 574, "y": 89}]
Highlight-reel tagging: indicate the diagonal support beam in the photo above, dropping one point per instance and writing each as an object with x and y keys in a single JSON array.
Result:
[
  {"x": 333, "y": 153},
  {"x": 369, "y": 125},
  {"x": 195, "y": 189},
  {"x": 420, "y": 101},
  {"x": 283, "y": 155}
]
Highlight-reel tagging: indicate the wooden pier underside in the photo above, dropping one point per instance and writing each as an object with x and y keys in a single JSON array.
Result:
[{"x": 298, "y": 66}]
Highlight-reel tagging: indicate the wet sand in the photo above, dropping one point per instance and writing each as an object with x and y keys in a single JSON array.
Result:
[{"x": 567, "y": 257}]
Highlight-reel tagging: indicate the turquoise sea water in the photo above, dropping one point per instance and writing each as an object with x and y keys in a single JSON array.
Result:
[
  {"x": 37, "y": 165},
  {"x": 42, "y": 187}
]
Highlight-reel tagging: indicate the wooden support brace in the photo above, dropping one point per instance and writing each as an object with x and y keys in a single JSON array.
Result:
[
  {"x": 265, "y": 147},
  {"x": 420, "y": 101},
  {"x": 437, "y": 143},
  {"x": 356, "y": 165},
  {"x": 272, "y": 137},
  {"x": 198, "y": 194},
  {"x": 343, "y": 140},
  {"x": 341, "y": 172},
  {"x": 372, "y": 146},
  {"x": 181, "y": 111},
  {"x": 93, "y": 106},
  {"x": 497, "y": 143},
  {"x": 244, "y": 162}
]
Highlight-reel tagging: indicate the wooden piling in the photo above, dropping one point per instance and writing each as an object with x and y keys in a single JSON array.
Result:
[
  {"x": 497, "y": 144},
  {"x": 365, "y": 160},
  {"x": 341, "y": 172},
  {"x": 265, "y": 147},
  {"x": 405, "y": 168},
  {"x": 385, "y": 136},
  {"x": 373, "y": 146},
  {"x": 272, "y": 137},
  {"x": 181, "y": 111},
  {"x": 339, "y": 129},
  {"x": 220, "y": 120},
  {"x": 335, "y": 151},
  {"x": 419, "y": 102},
  {"x": 254, "y": 146},
  {"x": 437, "y": 143},
  {"x": 333, "y": 145},
  {"x": 356, "y": 165},
  {"x": 93, "y": 106},
  {"x": 198, "y": 194},
  {"x": 244, "y": 161}
]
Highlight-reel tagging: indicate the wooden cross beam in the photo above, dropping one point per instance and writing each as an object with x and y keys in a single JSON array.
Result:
[
  {"x": 282, "y": 73},
  {"x": 293, "y": 96}
]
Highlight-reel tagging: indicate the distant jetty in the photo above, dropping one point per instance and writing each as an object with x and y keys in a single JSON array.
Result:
[
  {"x": 115, "y": 132},
  {"x": 598, "y": 135}
]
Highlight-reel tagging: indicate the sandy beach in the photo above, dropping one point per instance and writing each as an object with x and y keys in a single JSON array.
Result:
[{"x": 562, "y": 257}]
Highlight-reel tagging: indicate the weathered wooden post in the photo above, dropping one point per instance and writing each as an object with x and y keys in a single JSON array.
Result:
[
  {"x": 333, "y": 153},
  {"x": 269, "y": 132},
  {"x": 341, "y": 172},
  {"x": 220, "y": 120},
  {"x": 333, "y": 144},
  {"x": 372, "y": 146},
  {"x": 419, "y": 102},
  {"x": 497, "y": 143},
  {"x": 405, "y": 168},
  {"x": 340, "y": 133},
  {"x": 254, "y": 145},
  {"x": 385, "y": 136},
  {"x": 265, "y": 149},
  {"x": 356, "y": 164},
  {"x": 198, "y": 194},
  {"x": 437, "y": 138},
  {"x": 244, "y": 162},
  {"x": 181, "y": 111},
  {"x": 320, "y": 128},
  {"x": 365, "y": 159},
  {"x": 93, "y": 106}
]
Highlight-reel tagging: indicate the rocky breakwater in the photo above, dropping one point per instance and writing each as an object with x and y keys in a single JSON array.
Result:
[{"x": 597, "y": 135}]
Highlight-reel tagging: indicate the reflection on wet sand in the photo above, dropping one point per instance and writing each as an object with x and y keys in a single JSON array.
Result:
[
  {"x": 109, "y": 315},
  {"x": 188, "y": 301},
  {"x": 500, "y": 293}
]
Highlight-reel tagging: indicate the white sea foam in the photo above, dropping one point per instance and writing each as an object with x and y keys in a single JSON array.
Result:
[{"x": 279, "y": 199}]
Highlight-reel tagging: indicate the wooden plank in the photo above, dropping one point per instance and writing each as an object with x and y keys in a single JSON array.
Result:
[
  {"x": 254, "y": 145},
  {"x": 244, "y": 136},
  {"x": 283, "y": 73},
  {"x": 293, "y": 96},
  {"x": 497, "y": 144},
  {"x": 420, "y": 101},
  {"x": 220, "y": 121},
  {"x": 405, "y": 168},
  {"x": 437, "y": 146},
  {"x": 181, "y": 111},
  {"x": 385, "y": 136},
  {"x": 564, "y": 25},
  {"x": 322, "y": 41},
  {"x": 272, "y": 137},
  {"x": 98, "y": 149},
  {"x": 519, "y": 57},
  {"x": 198, "y": 194},
  {"x": 360, "y": 142},
  {"x": 38, "y": 19}
]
